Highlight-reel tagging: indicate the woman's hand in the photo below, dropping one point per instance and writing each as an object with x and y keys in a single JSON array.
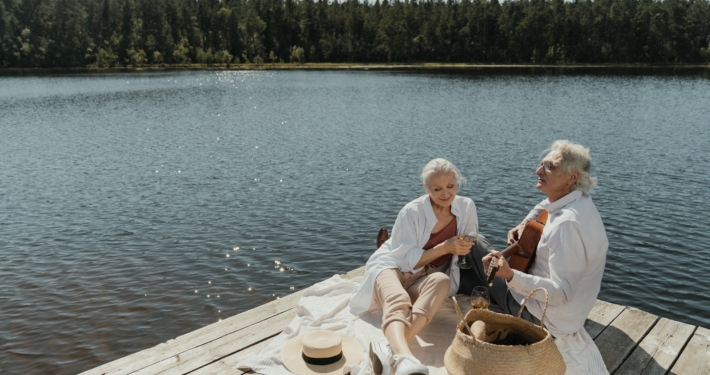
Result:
[
  {"x": 515, "y": 233},
  {"x": 456, "y": 246},
  {"x": 504, "y": 269}
]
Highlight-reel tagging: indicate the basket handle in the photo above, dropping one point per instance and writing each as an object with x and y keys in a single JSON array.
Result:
[
  {"x": 460, "y": 316},
  {"x": 547, "y": 299}
]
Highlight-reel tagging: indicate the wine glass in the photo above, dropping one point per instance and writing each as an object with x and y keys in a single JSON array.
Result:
[
  {"x": 480, "y": 298},
  {"x": 463, "y": 262}
]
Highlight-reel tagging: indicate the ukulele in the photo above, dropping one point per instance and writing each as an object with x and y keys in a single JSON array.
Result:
[{"x": 521, "y": 254}]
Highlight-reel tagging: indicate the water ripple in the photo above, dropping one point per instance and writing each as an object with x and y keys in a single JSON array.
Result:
[{"x": 139, "y": 207}]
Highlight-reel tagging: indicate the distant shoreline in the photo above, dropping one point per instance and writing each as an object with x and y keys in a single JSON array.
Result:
[{"x": 453, "y": 67}]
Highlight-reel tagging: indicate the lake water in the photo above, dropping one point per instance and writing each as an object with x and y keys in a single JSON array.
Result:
[{"x": 137, "y": 207}]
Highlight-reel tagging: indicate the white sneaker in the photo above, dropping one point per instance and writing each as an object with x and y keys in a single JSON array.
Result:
[
  {"x": 408, "y": 365},
  {"x": 381, "y": 357}
]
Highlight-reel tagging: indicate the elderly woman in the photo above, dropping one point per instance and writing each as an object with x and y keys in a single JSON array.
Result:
[{"x": 412, "y": 273}]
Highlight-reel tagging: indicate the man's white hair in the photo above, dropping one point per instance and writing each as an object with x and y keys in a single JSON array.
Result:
[{"x": 572, "y": 157}]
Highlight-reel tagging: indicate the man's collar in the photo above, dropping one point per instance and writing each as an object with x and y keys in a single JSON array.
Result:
[{"x": 556, "y": 205}]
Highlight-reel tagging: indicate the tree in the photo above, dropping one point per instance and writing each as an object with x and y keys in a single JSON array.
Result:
[
  {"x": 181, "y": 54},
  {"x": 298, "y": 55},
  {"x": 54, "y": 33}
]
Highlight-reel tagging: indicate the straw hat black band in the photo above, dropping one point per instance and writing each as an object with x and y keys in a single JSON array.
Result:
[
  {"x": 322, "y": 361},
  {"x": 321, "y": 352}
]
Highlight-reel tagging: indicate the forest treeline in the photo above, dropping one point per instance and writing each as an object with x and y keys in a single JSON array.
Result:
[{"x": 105, "y": 33}]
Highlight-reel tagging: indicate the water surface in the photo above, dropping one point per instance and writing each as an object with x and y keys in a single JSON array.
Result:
[{"x": 138, "y": 207}]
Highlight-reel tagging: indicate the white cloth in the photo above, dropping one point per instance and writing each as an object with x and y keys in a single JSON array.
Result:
[
  {"x": 569, "y": 263},
  {"x": 411, "y": 231},
  {"x": 324, "y": 306},
  {"x": 581, "y": 354}
]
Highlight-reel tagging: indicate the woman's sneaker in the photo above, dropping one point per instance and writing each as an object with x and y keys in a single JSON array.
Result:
[
  {"x": 381, "y": 356},
  {"x": 408, "y": 365}
]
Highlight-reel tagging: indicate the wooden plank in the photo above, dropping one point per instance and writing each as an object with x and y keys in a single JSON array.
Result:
[
  {"x": 199, "y": 356},
  {"x": 601, "y": 315},
  {"x": 623, "y": 335},
  {"x": 147, "y": 357},
  {"x": 695, "y": 359},
  {"x": 139, "y": 360},
  {"x": 228, "y": 365},
  {"x": 659, "y": 349}
]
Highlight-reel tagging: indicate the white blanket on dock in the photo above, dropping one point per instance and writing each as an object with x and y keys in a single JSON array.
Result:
[{"x": 325, "y": 306}]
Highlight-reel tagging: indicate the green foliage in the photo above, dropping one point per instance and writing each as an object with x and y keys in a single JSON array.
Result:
[
  {"x": 104, "y": 33},
  {"x": 223, "y": 57},
  {"x": 272, "y": 57},
  {"x": 298, "y": 55},
  {"x": 157, "y": 57},
  {"x": 204, "y": 57},
  {"x": 181, "y": 54},
  {"x": 137, "y": 58},
  {"x": 106, "y": 58}
]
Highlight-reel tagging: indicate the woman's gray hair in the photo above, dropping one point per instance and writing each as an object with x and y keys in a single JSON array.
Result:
[
  {"x": 573, "y": 157},
  {"x": 440, "y": 165}
]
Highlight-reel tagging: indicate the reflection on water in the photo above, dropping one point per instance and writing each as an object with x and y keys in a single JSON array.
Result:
[{"x": 138, "y": 207}]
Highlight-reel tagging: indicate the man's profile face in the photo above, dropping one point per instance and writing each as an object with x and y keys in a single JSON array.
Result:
[{"x": 551, "y": 180}]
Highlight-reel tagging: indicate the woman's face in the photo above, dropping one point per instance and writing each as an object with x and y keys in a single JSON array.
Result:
[{"x": 441, "y": 188}]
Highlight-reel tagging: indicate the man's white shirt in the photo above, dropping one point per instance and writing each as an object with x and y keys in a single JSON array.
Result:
[{"x": 569, "y": 263}]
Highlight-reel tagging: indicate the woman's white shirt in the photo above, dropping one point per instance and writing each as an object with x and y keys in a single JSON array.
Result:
[{"x": 411, "y": 231}]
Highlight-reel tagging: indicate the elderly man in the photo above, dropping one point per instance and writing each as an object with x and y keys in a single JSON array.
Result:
[{"x": 569, "y": 262}]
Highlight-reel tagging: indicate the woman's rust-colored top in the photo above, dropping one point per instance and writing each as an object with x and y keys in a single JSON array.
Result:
[{"x": 437, "y": 238}]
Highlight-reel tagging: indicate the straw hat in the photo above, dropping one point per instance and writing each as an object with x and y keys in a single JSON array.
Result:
[{"x": 320, "y": 353}]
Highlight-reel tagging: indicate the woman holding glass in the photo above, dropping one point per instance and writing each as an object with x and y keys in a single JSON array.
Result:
[{"x": 412, "y": 273}]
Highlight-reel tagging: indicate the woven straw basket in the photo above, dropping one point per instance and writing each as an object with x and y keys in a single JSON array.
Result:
[{"x": 466, "y": 355}]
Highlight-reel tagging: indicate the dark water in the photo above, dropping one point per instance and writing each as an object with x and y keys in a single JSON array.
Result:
[{"x": 137, "y": 207}]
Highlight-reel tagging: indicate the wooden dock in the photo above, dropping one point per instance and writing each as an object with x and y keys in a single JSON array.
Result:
[{"x": 631, "y": 342}]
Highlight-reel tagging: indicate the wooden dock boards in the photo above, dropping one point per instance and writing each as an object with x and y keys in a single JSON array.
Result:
[
  {"x": 631, "y": 341},
  {"x": 623, "y": 334},
  {"x": 187, "y": 345},
  {"x": 695, "y": 358},
  {"x": 658, "y": 350}
]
